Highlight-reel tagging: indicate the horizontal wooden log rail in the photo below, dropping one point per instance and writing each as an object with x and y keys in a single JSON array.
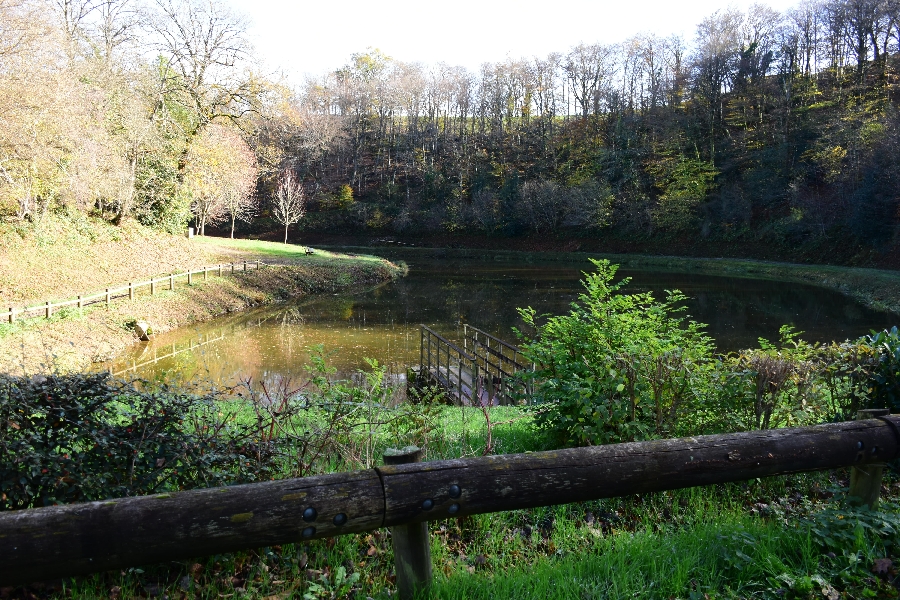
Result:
[{"x": 59, "y": 541}]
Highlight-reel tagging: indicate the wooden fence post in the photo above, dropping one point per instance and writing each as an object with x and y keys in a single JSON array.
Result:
[
  {"x": 12, "y": 314},
  {"x": 152, "y": 286},
  {"x": 49, "y": 309},
  {"x": 131, "y": 290},
  {"x": 245, "y": 265},
  {"x": 232, "y": 267},
  {"x": 107, "y": 298},
  {"x": 220, "y": 269},
  {"x": 865, "y": 481},
  {"x": 205, "y": 273},
  {"x": 412, "y": 546},
  {"x": 190, "y": 278},
  {"x": 79, "y": 301},
  {"x": 257, "y": 264}
]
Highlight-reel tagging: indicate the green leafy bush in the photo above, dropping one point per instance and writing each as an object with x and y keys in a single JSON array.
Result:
[
  {"x": 617, "y": 367},
  {"x": 82, "y": 437},
  {"x": 885, "y": 381},
  {"x": 621, "y": 367}
]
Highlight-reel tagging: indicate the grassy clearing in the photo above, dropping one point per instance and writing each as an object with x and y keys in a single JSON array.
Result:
[{"x": 259, "y": 249}]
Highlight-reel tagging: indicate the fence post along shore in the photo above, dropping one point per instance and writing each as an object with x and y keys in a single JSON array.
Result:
[
  {"x": 865, "y": 480},
  {"x": 76, "y": 539},
  {"x": 130, "y": 290},
  {"x": 411, "y": 542}
]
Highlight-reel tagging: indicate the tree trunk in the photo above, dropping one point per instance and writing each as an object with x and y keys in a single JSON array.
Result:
[
  {"x": 285, "y": 233},
  {"x": 232, "y": 226}
]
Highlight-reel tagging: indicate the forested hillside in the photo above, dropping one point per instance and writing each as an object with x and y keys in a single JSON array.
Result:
[{"x": 767, "y": 134}]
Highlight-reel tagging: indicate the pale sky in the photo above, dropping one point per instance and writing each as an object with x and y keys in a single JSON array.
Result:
[{"x": 318, "y": 36}]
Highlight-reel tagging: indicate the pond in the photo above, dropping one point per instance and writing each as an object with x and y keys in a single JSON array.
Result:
[{"x": 273, "y": 343}]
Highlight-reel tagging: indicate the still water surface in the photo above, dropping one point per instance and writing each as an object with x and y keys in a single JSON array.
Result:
[{"x": 444, "y": 293}]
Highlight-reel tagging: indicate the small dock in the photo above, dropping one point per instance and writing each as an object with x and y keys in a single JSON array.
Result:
[{"x": 480, "y": 373}]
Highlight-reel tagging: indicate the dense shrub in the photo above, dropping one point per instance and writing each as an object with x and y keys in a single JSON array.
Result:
[
  {"x": 618, "y": 366},
  {"x": 621, "y": 367},
  {"x": 81, "y": 437},
  {"x": 86, "y": 437},
  {"x": 885, "y": 381}
]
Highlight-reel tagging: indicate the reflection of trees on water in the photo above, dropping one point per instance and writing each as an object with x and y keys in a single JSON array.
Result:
[{"x": 383, "y": 323}]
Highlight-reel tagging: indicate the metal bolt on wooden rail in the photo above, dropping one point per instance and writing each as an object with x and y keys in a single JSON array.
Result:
[
  {"x": 865, "y": 481},
  {"x": 411, "y": 542}
]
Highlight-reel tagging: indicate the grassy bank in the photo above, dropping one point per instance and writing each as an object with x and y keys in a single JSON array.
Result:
[
  {"x": 73, "y": 339},
  {"x": 875, "y": 288}
]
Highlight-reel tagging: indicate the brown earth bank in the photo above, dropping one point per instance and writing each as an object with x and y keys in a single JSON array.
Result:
[{"x": 74, "y": 340}]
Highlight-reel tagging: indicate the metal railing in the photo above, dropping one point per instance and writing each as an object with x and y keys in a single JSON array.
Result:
[
  {"x": 446, "y": 364},
  {"x": 498, "y": 363}
]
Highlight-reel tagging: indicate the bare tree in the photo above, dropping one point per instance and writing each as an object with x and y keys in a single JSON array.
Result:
[
  {"x": 290, "y": 202},
  {"x": 205, "y": 44},
  {"x": 589, "y": 69},
  {"x": 117, "y": 22}
]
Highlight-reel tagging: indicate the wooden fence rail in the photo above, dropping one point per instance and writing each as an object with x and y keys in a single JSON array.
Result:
[
  {"x": 129, "y": 290},
  {"x": 58, "y": 541}
]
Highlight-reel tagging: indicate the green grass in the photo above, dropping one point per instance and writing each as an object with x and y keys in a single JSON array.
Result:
[
  {"x": 698, "y": 543},
  {"x": 741, "y": 540},
  {"x": 260, "y": 249}
]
